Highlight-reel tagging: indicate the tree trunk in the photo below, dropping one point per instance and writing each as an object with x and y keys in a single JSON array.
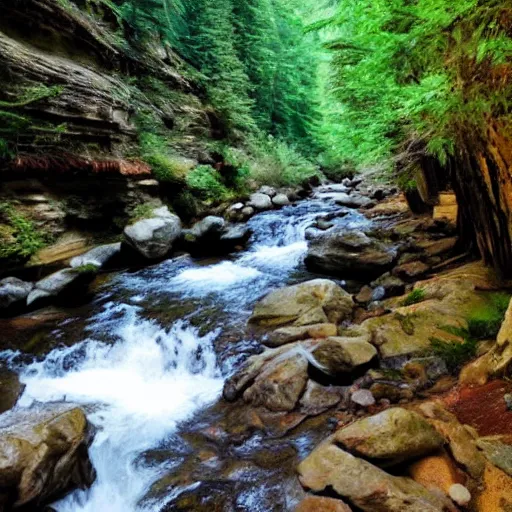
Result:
[{"x": 482, "y": 180}]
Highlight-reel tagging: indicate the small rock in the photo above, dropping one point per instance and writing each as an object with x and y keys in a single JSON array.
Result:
[
  {"x": 378, "y": 294},
  {"x": 281, "y": 200},
  {"x": 290, "y": 334},
  {"x": 268, "y": 191},
  {"x": 364, "y": 296},
  {"x": 363, "y": 397},
  {"x": 412, "y": 270},
  {"x": 321, "y": 504},
  {"x": 260, "y": 202},
  {"x": 13, "y": 291},
  {"x": 247, "y": 212},
  {"x": 460, "y": 495},
  {"x": 323, "y": 225},
  {"x": 508, "y": 401}
]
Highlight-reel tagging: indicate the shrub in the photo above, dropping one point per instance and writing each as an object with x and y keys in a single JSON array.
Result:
[
  {"x": 207, "y": 183},
  {"x": 274, "y": 162},
  {"x": 417, "y": 295},
  {"x": 19, "y": 238}
]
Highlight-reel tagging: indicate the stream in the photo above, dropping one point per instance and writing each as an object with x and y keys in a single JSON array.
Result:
[{"x": 152, "y": 350}]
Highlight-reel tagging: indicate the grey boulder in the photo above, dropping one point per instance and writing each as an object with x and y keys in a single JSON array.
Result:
[{"x": 153, "y": 238}]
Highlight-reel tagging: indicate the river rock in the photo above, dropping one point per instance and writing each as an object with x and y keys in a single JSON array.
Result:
[
  {"x": 286, "y": 335},
  {"x": 497, "y": 452},
  {"x": 153, "y": 238},
  {"x": 59, "y": 283},
  {"x": 43, "y": 455},
  {"x": 260, "y": 202},
  {"x": 461, "y": 438},
  {"x": 353, "y": 201},
  {"x": 390, "y": 437},
  {"x": 340, "y": 355},
  {"x": 210, "y": 226},
  {"x": 321, "y": 504},
  {"x": 363, "y": 397},
  {"x": 268, "y": 191},
  {"x": 412, "y": 270},
  {"x": 247, "y": 212},
  {"x": 13, "y": 291},
  {"x": 317, "y": 398},
  {"x": 392, "y": 285},
  {"x": 367, "y": 487},
  {"x": 281, "y": 200},
  {"x": 312, "y": 302},
  {"x": 349, "y": 255},
  {"x": 234, "y": 237},
  {"x": 280, "y": 385},
  {"x": 99, "y": 256}
]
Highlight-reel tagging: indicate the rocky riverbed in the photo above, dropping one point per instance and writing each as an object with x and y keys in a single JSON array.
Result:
[{"x": 333, "y": 353}]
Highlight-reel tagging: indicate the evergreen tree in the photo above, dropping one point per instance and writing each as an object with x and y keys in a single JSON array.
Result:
[{"x": 211, "y": 46}]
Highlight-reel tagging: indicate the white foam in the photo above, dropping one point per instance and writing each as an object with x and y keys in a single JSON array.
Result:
[
  {"x": 144, "y": 384},
  {"x": 214, "y": 278}
]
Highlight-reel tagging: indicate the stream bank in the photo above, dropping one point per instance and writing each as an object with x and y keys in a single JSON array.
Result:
[{"x": 149, "y": 356}]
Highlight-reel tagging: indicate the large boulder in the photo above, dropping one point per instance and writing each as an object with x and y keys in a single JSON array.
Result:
[
  {"x": 312, "y": 302},
  {"x": 351, "y": 255},
  {"x": 282, "y": 367},
  {"x": 260, "y": 202},
  {"x": 370, "y": 489},
  {"x": 99, "y": 256},
  {"x": 154, "y": 237},
  {"x": 13, "y": 292},
  {"x": 43, "y": 455},
  {"x": 285, "y": 335},
  {"x": 390, "y": 437}
]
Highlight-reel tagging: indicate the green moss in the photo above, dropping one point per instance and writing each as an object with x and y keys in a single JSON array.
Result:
[
  {"x": 417, "y": 295},
  {"x": 142, "y": 211},
  {"x": 19, "y": 238},
  {"x": 89, "y": 268},
  {"x": 406, "y": 322},
  {"x": 482, "y": 323}
]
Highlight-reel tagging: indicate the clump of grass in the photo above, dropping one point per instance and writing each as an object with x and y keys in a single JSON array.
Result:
[
  {"x": 417, "y": 295},
  {"x": 482, "y": 324},
  {"x": 142, "y": 211}
]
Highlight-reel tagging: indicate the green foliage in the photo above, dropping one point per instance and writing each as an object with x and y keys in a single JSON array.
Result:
[
  {"x": 432, "y": 72},
  {"x": 207, "y": 183},
  {"x": 417, "y": 295},
  {"x": 454, "y": 354},
  {"x": 89, "y": 268},
  {"x": 142, "y": 211},
  {"x": 275, "y": 162},
  {"x": 482, "y": 324},
  {"x": 19, "y": 238}
]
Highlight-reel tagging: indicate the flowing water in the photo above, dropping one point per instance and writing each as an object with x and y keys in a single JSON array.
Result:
[{"x": 155, "y": 348}]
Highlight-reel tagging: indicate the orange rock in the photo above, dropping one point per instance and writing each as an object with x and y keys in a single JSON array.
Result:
[
  {"x": 437, "y": 471},
  {"x": 497, "y": 494},
  {"x": 320, "y": 504}
]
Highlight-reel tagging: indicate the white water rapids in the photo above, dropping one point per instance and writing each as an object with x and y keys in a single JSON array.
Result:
[{"x": 137, "y": 387}]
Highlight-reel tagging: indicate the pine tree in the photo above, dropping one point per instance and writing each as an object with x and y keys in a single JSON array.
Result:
[{"x": 211, "y": 45}]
